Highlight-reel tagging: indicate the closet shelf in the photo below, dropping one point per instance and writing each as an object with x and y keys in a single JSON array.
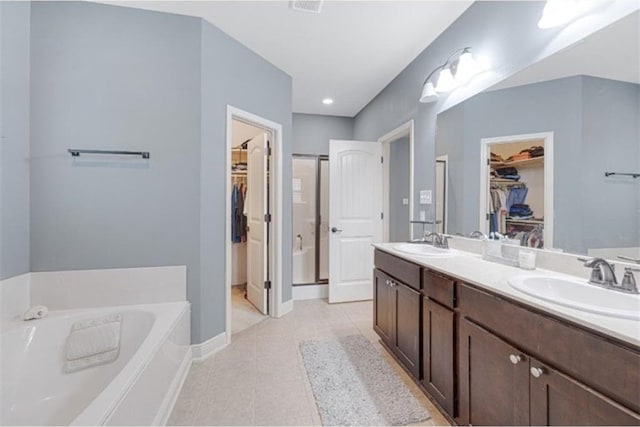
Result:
[
  {"x": 534, "y": 161},
  {"x": 532, "y": 221}
]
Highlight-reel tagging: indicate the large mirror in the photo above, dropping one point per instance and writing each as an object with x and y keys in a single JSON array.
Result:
[{"x": 550, "y": 155}]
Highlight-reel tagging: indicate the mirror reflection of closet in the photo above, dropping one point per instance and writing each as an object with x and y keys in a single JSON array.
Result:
[
  {"x": 310, "y": 246},
  {"x": 516, "y": 193}
]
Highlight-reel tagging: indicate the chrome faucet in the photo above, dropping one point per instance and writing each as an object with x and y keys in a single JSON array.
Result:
[
  {"x": 602, "y": 273},
  {"x": 439, "y": 240},
  {"x": 478, "y": 235},
  {"x": 628, "y": 280}
]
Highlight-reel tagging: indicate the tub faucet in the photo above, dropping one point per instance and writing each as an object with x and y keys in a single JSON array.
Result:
[
  {"x": 602, "y": 273},
  {"x": 37, "y": 312}
]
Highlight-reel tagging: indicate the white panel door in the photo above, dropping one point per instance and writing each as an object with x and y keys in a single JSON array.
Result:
[
  {"x": 355, "y": 208},
  {"x": 256, "y": 201}
]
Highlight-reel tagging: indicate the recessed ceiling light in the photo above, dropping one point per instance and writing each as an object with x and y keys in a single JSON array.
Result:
[{"x": 327, "y": 101}]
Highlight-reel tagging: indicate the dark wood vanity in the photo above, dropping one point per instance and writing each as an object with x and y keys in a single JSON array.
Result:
[{"x": 487, "y": 360}]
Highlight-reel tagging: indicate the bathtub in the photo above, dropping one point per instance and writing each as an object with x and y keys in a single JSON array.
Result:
[{"x": 139, "y": 388}]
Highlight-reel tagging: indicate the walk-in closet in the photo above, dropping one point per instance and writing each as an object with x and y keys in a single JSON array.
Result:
[{"x": 516, "y": 193}]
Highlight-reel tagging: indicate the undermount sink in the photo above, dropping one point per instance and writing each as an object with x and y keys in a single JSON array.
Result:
[
  {"x": 579, "y": 295},
  {"x": 423, "y": 249}
]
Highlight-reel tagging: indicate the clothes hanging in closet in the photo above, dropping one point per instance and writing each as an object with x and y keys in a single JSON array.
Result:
[{"x": 238, "y": 218}]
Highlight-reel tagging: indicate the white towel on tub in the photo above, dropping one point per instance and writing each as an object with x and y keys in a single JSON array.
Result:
[{"x": 93, "y": 342}]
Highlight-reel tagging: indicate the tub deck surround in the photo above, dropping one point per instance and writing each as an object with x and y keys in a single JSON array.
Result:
[
  {"x": 138, "y": 388},
  {"x": 471, "y": 268}
]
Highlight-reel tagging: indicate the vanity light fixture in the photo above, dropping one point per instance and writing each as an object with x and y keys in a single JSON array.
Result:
[
  {"x": 455, "y": 72},
  {"x": 327, "y": 101},
  {"x": 560, "y": 12}
]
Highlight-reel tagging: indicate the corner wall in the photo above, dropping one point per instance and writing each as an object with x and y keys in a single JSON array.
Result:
[
  {"x": 14, "y": 138},
  {"x": 312, "y": 132}
]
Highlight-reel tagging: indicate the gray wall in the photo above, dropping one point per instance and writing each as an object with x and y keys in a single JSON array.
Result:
[
  {"x": 119, "y": 78},
  {"x": 610, "y": 142},
  {"x": 398, "y": 190},
  {"x": 232, "y": 74},
  {"x": 583, "y": 112},
  {"x": 504, "y": 31},
  {"x": 312, "y": 132},
  {"x": 14, "y": 138}
]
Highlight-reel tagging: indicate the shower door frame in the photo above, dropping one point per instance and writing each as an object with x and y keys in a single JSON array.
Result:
[{"x": 318, "y": 159}]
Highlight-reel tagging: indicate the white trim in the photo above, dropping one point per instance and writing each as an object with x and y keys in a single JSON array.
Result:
[
  {"x": 169, "y": 401},
  {"x": 445, "y": 158},
  {"x": 284, "y": 308},
  {"x": 385, "y": 140},
  {"x": 208, "y": 348},
  {"x": 485, "y": 153},
  {"x": 277, "y": 209},
  {"x": 310, "y": 292}
]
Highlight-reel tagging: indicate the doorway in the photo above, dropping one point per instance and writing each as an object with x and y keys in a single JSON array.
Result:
[
  {"x": 516, "y": 188},
  {"x": 397, "y": 183},
  {"x": 254, "y": 224},
  {"x": 310, "y": 258}
]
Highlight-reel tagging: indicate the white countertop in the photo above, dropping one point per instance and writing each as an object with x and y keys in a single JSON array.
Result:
[{"x": 472, "y": 269}]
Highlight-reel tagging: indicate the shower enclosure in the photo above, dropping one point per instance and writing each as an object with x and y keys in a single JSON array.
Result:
[{"x": 310, "y": 257}]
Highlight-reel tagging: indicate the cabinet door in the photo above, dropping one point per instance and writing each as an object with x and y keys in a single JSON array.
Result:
[
  {"x": 384, "y": 307},
  {"x": 494, "y": 379},
  {"x": 407, "y": 330},
  {"x": 557, "y": 399},
  {"x": 437, "y": 353}
]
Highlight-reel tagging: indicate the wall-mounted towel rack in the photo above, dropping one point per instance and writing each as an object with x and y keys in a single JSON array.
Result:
[
  {"x": 76, "y": 152},
  {"x": 633, "y": 175}
]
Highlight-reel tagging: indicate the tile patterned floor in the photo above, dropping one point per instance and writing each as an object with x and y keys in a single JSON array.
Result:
[
  {"x": 244, "y": 314},
  {"x": 259, "y": 379}
]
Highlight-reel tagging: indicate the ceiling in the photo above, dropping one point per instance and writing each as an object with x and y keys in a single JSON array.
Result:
[
  {"x": 611, "y": 53},
  {"x": 241, "y": 132},
  {"x": 348, "y": 52}
]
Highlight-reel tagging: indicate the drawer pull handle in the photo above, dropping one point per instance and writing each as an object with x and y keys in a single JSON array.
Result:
[
  {"x": 516, "y": 358},
  {"x": 537, "y": 372}
]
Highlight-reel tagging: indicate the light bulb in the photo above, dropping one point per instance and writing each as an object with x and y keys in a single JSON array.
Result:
[
  {"x": 428, "y": 93},
  {"x": 559, "y": 12},
  {"x": 446, "y": 82},
  {"x": 327, "y": 101},
  {"x": 466, "y": 69}
]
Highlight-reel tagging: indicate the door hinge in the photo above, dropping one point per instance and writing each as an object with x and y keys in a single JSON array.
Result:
[
  {"x": 488, "y": 217},
  {"x": 488, "y": 162},
  {"x": 381, "y": 215},
  {"x": 267, "y": 217},
  {"x": 381, "y": 159},
  {"x": 267, "y": 284}
]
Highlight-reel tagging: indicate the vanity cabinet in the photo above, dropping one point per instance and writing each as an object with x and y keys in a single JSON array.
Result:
[
  {"x": 486, "y": 359},
  {"x": 438, "y": 339},
  {"x": 397, "y": 308},
  {"x": 583, "y": 380}
]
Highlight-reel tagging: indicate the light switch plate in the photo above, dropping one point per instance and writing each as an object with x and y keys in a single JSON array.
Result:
[
  {"x": 405, "y": 201},
  {"x": 425, "y": 197},
  {"x": 423, "y": 216}
]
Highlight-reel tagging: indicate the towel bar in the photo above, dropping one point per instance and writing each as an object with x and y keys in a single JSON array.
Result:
[{"x": 76, "y": 152}]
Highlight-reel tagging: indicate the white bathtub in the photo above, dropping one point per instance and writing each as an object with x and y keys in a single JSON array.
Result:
[{"x": 139, "y": 388}]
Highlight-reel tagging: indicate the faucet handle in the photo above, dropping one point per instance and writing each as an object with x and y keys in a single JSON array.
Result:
[
  {"x": 629, "y": 281},
  {"x": 628, "y": 258}
]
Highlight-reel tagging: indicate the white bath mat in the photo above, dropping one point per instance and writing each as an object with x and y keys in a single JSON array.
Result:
[
  {"x": 93, "y": 342},
  {"x": 354, "y": 386}
]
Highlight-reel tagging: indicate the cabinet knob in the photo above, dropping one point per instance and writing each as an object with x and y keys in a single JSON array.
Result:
[
  {"x": 537, "y": 372},
  {"x": 516, "y": 358}
]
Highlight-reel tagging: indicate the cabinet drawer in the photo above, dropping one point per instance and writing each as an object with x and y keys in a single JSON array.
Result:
[
  {"x": 402, "y": 270},
  {"x": 608, "y": 367},
  {"x": 439, "y": 288}
]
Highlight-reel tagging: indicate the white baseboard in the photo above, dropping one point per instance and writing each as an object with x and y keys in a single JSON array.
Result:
[
  {"x": 169, "y": 401},
  {"x": 285, "y": 308},
  {"x": 208, "y": 348},
  {"x": 310, "y": 292}
]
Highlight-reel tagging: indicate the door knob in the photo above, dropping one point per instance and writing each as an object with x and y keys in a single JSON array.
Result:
[
  {"x": 335, "y": 230},
  {"x": 516, "y": 358},
  {"x": 537, "y": 372}
]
